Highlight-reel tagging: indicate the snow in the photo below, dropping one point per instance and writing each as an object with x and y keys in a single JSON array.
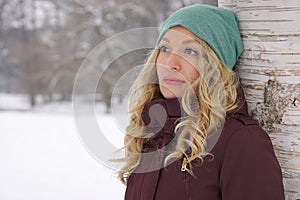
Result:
[
  {"x": 41, "y": 156},
  {"x": 13, "y": 101}
]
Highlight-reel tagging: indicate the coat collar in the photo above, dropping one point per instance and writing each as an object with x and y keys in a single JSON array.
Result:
[{"x": 159, "y": 109}]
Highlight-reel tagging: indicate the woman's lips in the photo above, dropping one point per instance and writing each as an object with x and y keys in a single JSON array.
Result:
[{"x": 173, "y": 81}]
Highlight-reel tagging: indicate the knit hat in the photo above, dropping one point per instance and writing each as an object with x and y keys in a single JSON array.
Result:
[{"x": 218, "y": 27}]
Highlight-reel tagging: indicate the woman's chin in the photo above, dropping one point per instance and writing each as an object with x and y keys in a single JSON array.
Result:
[{"x": 167, "y": 94}]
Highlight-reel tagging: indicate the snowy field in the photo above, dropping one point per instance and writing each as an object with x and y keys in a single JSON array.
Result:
[{"x": 42, "y": 157}]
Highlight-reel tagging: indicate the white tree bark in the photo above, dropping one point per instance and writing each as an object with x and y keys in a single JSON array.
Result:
[{"x": 270, "y": 72}]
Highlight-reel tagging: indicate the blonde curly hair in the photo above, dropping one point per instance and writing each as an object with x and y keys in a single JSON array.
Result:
[{"x": 216, "y": 91}]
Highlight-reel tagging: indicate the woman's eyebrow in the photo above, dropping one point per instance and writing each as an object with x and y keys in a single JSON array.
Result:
[
  {"x": 165, "y": 39},
  {"x": 190, "y": 41},
  {"x": 187, "y": 41}
]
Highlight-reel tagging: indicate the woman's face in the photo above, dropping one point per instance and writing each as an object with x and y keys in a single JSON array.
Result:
[{"x": 176, "y": 64}]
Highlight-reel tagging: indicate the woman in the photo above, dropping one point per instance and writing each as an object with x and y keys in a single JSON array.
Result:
[{"x": 190, "y": 135}]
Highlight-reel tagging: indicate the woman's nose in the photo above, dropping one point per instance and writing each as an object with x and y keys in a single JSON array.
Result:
[{"x": 173, "y": 62}]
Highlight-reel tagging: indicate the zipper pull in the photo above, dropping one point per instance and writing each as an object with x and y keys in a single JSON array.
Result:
[{"x": 183, "y": 166}]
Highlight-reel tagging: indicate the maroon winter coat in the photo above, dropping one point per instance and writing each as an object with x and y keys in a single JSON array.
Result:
[{"x": 244, "y": 166}]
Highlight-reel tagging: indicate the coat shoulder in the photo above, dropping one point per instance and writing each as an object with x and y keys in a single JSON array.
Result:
[{"x": 239, "y": 129}]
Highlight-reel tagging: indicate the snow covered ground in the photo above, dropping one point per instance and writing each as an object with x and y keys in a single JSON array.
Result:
[{"x": 42, "y": 158}]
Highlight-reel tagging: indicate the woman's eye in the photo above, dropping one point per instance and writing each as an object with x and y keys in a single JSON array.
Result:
[
  {"x": 191, "y": 52},
  {"x": 164, "y": 49}
]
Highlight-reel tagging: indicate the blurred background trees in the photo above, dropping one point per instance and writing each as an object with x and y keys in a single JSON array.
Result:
[{"x": 43, "y": 42}]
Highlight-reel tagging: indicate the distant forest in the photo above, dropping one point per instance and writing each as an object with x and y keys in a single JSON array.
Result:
[{"x": 43, "y": 43}]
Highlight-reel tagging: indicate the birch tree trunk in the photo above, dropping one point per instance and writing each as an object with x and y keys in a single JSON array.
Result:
[{"x": 270, "y": 72}]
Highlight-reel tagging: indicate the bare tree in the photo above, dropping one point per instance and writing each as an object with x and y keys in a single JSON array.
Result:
[
  {"x": 32, "y": 43},
  {"x": 94, "y": 22}
]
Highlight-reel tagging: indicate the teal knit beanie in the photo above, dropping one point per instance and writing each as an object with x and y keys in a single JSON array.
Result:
[{"x": 218, "y": 27}]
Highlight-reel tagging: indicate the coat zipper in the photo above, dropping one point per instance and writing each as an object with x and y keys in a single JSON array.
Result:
[
  {"x": 183, "y": 169},
  {"x": 184, "y": 164}
]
